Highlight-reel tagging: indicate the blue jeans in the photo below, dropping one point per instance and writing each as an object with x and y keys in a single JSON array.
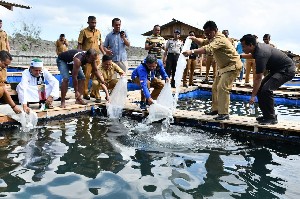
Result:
[{"x": 64, "y": 70}]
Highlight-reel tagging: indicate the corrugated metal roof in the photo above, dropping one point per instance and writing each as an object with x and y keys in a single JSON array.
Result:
[{"x": 10, "y": 5}]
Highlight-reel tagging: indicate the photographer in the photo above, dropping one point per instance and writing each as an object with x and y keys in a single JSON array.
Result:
[{"x": 115, "y": 45}]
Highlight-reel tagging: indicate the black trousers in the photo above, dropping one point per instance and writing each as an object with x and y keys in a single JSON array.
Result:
[
  {"x": 171, "y": 65},
  {"x": 269, "y": 84}
]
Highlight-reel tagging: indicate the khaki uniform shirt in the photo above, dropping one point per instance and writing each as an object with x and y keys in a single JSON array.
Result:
[
  {"x": 109, "y": 73},
  {"x": 3, "y": 40},
  {"x": 90, "y": 39},
  {"x": 224, "y": 53},
  {"x": 60, "y": 46}
]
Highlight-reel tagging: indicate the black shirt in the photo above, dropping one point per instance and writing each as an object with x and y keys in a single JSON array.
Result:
[
  {"x": 270, "y": 58},
  {"x": 193, "y": 46},
  {"x": 68, "y": 56}
]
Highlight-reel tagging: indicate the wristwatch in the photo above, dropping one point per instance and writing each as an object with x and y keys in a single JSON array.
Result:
[{"x": 193, "y": 52}]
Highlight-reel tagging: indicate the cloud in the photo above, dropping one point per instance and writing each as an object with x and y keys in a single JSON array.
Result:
[{"x": 240, "y": 17}]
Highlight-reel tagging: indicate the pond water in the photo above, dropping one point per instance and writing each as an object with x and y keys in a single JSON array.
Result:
[{"x": 93, "y": 157}]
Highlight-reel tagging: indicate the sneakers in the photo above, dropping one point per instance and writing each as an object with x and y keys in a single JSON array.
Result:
[
  {"x": 185, "y": 85},
  {"x": 266, "y": 121},
  {"x": 143, "y": 105},
  {"x": 86, "y": 97},
  {"x": 222, "y": 117},
  {"x": 211, "y": 112},
  {"x": 98, "y": 100}
]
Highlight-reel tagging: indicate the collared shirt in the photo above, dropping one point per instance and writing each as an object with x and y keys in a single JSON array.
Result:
[
  {"x": 160, "y": 42},
  {"x": 239, "y": 49},
  {"x": 224, "y": 53},
  {"x": 144, "y": 74},
  {"x": 90, "y": 39},
  {"x": 115, "y": 43},
  {"x": 60, "y": 46},
  {"x": 270, "y": 58},
  {"x": 174, "y": 46},
  {"x": 3, "y": 40},
  {"x": 109, "y": 73}
]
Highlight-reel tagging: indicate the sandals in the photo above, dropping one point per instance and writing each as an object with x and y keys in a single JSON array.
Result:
[{"x": 80, "y": 101}]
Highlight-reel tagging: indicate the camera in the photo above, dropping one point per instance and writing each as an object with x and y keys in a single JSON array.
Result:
[{"x": 122, "y": 32}]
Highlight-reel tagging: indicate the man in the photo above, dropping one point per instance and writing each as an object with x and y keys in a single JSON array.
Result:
[
  {"x": 155, "y": 44},
  {"x": 144, "y": 76},
  {"x": 108, "y": 69},
  {"x": 171, "y": 55},
  {"x": 61, "y": 44},
  {"x": 210, "y": 61},
  {"x": 229, "y": 67},
  {"x": 32, "y": 87},
  {"x": 90, "y": 37},
  {"x": 4, "y": 44},
  {"x": 73, "y": 60},
  {"x": 5, "y": 60},
  {"x": 281, "y": 69},
  {"x": 191, "y": 64},
  {"x": 115, "y": 45},
  {"x": 226, "y": 33},
  {"x": 239, "y": 49},
  {"x": 267, "y": 38}
]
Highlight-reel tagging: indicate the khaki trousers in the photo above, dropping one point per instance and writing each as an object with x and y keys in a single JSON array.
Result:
[
  {"x": 221, "y": 91},
  {"x": 157, "y": 84},
  {"x": 87, "y": 70},
  {"x": 250, "y": 64},
  {"x": 210, "y": 62},
  {"x": 190, "y": 67},
  {"x": 110, "y": 85}
]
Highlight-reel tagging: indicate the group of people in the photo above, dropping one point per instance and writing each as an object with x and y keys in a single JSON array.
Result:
[{"x": 160, "y": 64}]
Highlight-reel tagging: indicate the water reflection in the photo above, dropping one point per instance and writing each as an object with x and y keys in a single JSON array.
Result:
[{"x": 92, "y": 157}]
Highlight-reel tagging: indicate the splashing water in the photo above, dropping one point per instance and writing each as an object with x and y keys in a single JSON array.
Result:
[{"x": 117, "y": 99}]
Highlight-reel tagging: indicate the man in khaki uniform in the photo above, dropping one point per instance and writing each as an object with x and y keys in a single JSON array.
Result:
[
  {"x": 61, "y": 44},
  {"x": 5, "y": 60},
  {"x": 90, "y": 37},
  {"x": 4, "y": 45},
  {"x": 229, "y": 67},
  {"x": 209, "y": 62},
  {"x": 108, "y": 69}
]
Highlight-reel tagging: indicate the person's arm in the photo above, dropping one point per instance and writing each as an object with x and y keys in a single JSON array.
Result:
[
  {"x": 147, "y": 44},
  {"x": 54, "y": 83},
  {"x": 118, "y": 69},
  {"x": 165, "y": 53},
  {"x": 76, "y": 67},
  {"x": 80, "y": 40},
  {"x": 198, "y": 51},
  {"x": 106, "y": 46},
  {"x": 100, "y": 79},
  {"x": 198, "y": 41},
  {"x": 256, "y": 84},
  {"x": 125, "y": 39},
  {"x": 246, "y": 56},
  {"x": 102, "y": 49},
  {"x": 66, "y": 43},
  {"x": 7, "y": 45}
]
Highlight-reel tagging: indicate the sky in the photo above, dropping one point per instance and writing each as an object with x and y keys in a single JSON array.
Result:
[{"x": 276, "y": 17}]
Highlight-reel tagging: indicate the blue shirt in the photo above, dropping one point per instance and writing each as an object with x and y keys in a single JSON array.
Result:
[
  {"x": 115, "y": 43},
  {"x": 144, "y": 74},
  {"x": 239, "y": 49}
]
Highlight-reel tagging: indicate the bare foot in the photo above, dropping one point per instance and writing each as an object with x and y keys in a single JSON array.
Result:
[
  {"x": 62, "y": 105},
  {"x": 80, "y": 101}
]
